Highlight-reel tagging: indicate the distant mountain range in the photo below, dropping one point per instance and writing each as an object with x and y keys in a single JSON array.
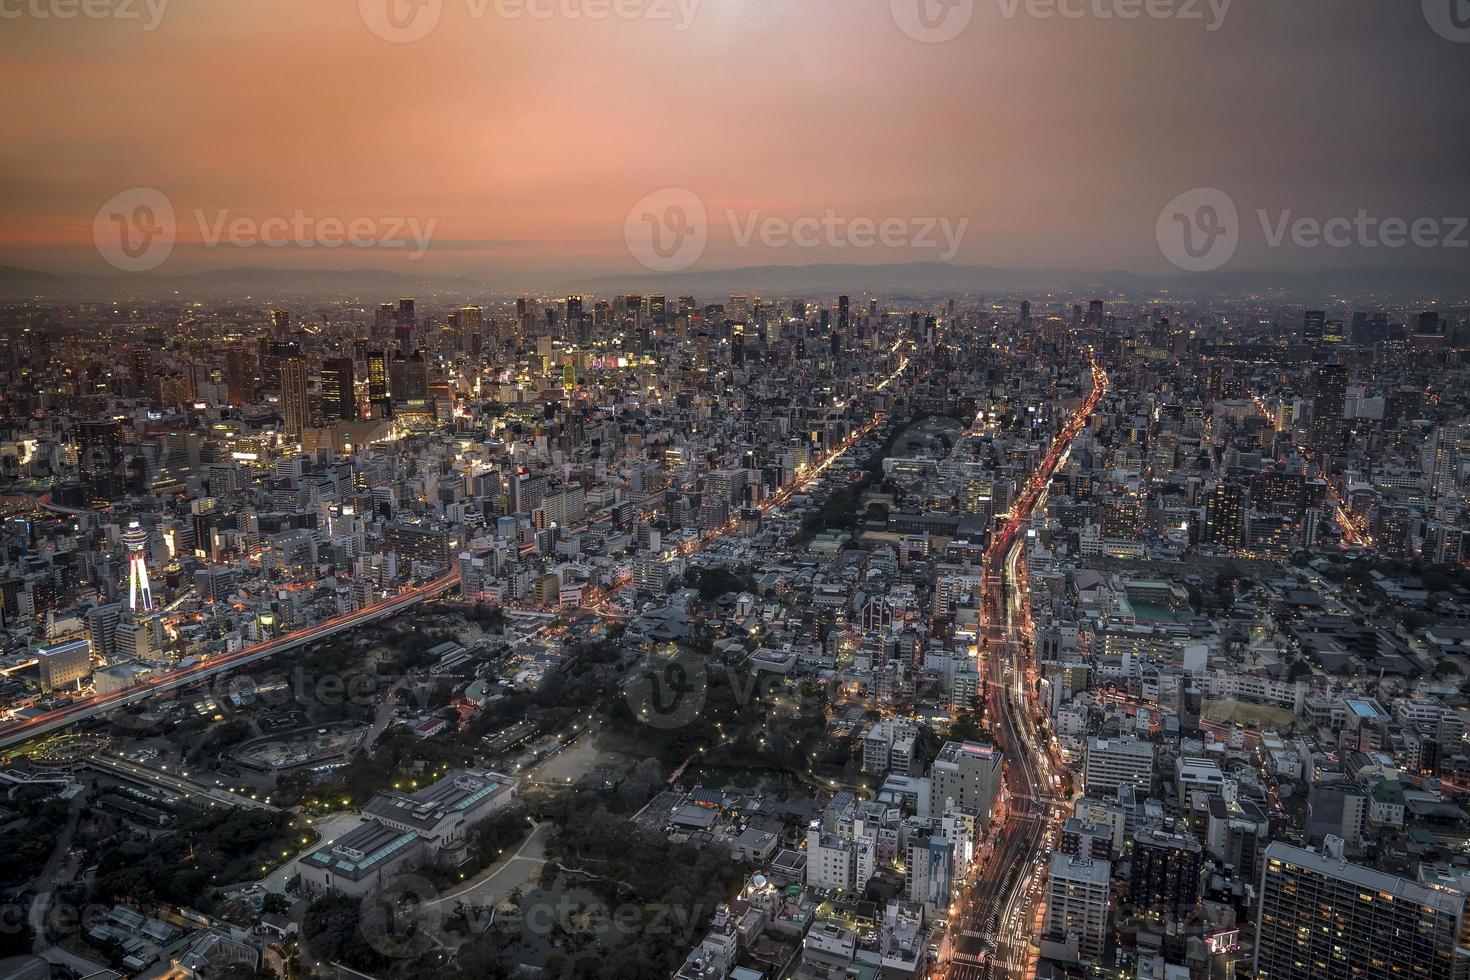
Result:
[
  {"x": 916, "y": 279},
  {"x": 938, "y": 278}
]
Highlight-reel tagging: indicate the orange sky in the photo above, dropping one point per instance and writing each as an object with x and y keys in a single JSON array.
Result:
[{"x": 526, "y": 141}]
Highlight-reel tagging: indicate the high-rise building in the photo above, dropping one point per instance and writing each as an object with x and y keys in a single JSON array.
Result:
[
  {"x": 339, "y": 397},
  {"x": 1112, "y": 762},
  {"x": 1165, "y": 870},
  {"x": 1077, "y": 903},
  {"x": 1329, "y": 397},
  {"x": 238, "y": 376},
  {"x": 293, "y": 393},
  {"x": 64, "y": 664},
  {"x": 100, "y": 457},
  {"x": 1225, "y": 516},
  {"x": 1314, "y": 325},
  {"x": 140, "y": 592},
  {"x": 1321, "y": 918},
  {"x": 379, "y": 394},
  {"x": 966, "y": 774}
]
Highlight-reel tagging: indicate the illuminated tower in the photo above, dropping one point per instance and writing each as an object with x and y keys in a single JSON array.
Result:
[{"x": 140, "y": 593}]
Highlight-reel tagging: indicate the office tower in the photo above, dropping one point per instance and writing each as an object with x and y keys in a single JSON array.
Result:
[
  {"x": 238, "y": 376},
  {"x": 1314, "y": 325},
  {"x": 472, "y": 325},
  {"x": 1360, "y": 332},
  {"x": 1095, "y": 313},
  {"x": 293, "y": 393},
  {"x": 1225, "y": 516},
  {"x": 383, "y": 319},
  {"x": 379, "y": 394},
  {"x": 1321, "y": 918},
  {"x": 843, "y": 314},
  {"x": 408, "y": 377},
  {"x": 658, "y": 311},
  {"x": 633, "y": 307},
  {"x": 140, "y": 592},
  {"x": 1332, "y": 332},
  {"x": 738, "y": 309},
  {"x": 1429, "y": 324},
  {"x": 339, "y": 398},
  {"x": 1077, "y": 903},
  {"x": 966, "y": 774},
  {"x": 100, "y": 457},
  {"x": 281, "y": 320},
  {"x": 1329, "y": 398},
  {"x": 1025, "y": 312}
]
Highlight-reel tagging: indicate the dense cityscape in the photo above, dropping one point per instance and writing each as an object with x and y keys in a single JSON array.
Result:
[
  {"x": 651, "y": 636},
  {"x": 735, "y": 490}
]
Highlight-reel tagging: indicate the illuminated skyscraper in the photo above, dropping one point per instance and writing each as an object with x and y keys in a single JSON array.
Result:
[
  {"x": 339, "y": 399},
  {"x": 293, "y": 393},
  {"x": 1225, "y": 516},
  {"x": 1328, "y": 400},
  {"x": 140, "y": 593},
  {"x": 1314, "y": 325},
  {"x": 379, "y": 395}
]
